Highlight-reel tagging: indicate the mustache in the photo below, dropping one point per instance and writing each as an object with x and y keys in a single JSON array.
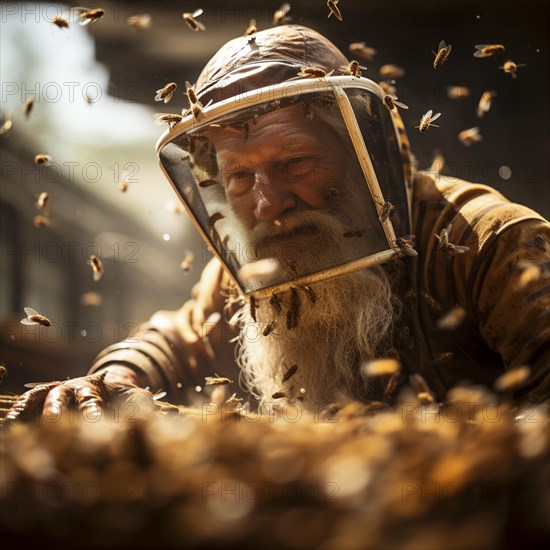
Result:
[{"x": 311, "y": 223}]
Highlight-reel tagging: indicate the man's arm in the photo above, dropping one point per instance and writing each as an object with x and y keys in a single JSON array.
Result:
[{"x": 173, "y": 352}]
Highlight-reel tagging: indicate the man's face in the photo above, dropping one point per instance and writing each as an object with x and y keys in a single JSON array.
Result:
[{"x": 287, "y": 180}]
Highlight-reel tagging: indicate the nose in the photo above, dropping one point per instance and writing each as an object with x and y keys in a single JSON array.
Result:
[{"x": 273, "y": 197}]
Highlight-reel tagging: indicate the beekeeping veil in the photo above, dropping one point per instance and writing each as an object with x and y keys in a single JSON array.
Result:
[{"x": 355, "y": 172}]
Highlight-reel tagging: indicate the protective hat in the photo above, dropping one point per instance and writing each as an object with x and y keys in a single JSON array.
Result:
[{"x": 292, "y": 165}]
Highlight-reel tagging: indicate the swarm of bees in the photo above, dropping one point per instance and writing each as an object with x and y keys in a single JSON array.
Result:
[
  {"x": 191, "y": 21},
  {"x": 442, "y": 54},
  {"x": 426, "y": 121}
]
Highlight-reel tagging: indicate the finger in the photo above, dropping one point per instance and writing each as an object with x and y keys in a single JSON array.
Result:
[
  {"x": 58, "y": 401},
  {"x": 89, "y": 400},
  {"x": 29, "y": 406}
]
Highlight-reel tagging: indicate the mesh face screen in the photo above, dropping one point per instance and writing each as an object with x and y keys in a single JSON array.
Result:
[{"x": 278, "y": 187}]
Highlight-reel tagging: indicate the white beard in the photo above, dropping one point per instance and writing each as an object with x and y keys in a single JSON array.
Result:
[{"x": 350, "y": 323}]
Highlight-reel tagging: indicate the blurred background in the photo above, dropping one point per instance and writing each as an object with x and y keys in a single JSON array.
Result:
[{"x": 93, "y": 89}]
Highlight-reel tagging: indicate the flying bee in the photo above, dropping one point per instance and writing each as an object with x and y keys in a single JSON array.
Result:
[
  {"x": 41, "y": 221},
  {"x": 511, "y": 67},
  {"x": 42, "y": 159},
  {"x": 6, "y": 125},
  {"x": 165, "y": 94},
  {"x": 43, "y": 201},
  {"x": 290, "y": 373},
  {"x": 291, "y": 264},
  {"x": 419, "y": 383},
  {"x": 512, "y": 379},
  {"x": 309, "y": 292},
  {"x": 60, "y": 22},
  {"x": 280, "y": 17},
  {"x": 390, "y": 72},
  {"x": 425, "y": 398},
  {"x": 362, "y": 50},
  {"x": 390, "y": 101},
  {"x": 216, "y": 217},
  {"x": 458, "y": 92},
  {"x": 34, "y": 318},
  {"x": 439, "y": 358},
  {"x": 529, "y": 273},
  {"x": 275, "y": 303},
  {"x": 437, "y": 165},
  {"x": 393, "y": 382},
  {"x": 123, "y": 186},
  {"x": 97, "y": 267},
  {"x": 217, "y": 380},
  {"x": 167, "y": 118},
  {"x": 442, "y": 54},
  {"x": 385, "y": 366},
  {"x": 446, "y": 246},
  {"x": 293, "y": 310},
  {"x": 91, "y": 299},
  {"x": 251, "y": 29},
  {"x": 187, "y": 262},
  {"x": 191, "y": 22},
  {"x": 452, "y": 319},
  {"x": 354, "y": 69},
  {"x": 485, "y": 103},
  {"x": 406, "y": 245},
  {"x": 87, "y": 16},
  {"x": 333, "y": 192},
  {"x": 253, "y": 306},
  {"x": 334, "y": 9},
  {"x": 385, "y": 210},
  {"x": 269, "y": 328},
  {"x": 487, "y": 50},
  {"x": 431, "y": 301},
  {"x": 353, "y": 233},
  {"x": 387, "y": 88},
  {"x": 469, "y": 136},
  {"x": 140, "y": 22},
  {"x": 314, "y": 72},
  {"x": 196, "y": 106},
  {"x": 427, "y": 119},
  {"x": 279, "y": 395},
  {"x": 29, "y": 104}
]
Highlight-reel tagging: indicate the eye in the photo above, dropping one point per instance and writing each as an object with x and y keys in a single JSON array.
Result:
[
  {"x": 239, "y": 181},
  {"x": 298, "y": 166}
]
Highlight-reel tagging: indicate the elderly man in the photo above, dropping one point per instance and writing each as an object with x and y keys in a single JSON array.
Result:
[{"x": 330, "y": 251}]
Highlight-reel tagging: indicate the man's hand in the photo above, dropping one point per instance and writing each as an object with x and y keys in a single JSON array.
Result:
[{"x": 89, "y": 394}]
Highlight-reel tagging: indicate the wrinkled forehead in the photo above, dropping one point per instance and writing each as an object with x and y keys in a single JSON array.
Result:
[{"x": 284, "y": 129}]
